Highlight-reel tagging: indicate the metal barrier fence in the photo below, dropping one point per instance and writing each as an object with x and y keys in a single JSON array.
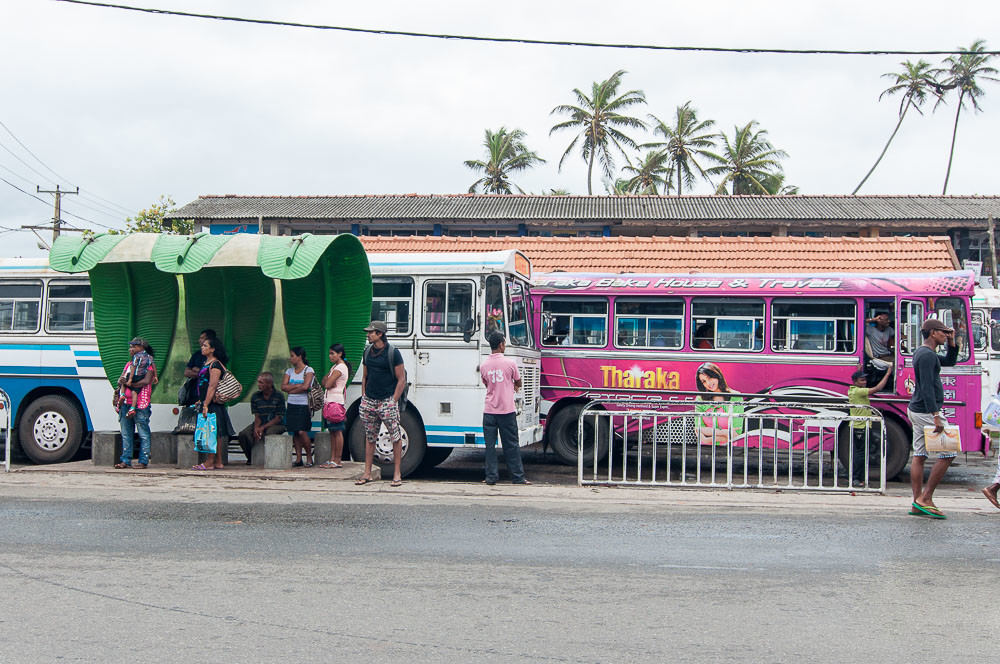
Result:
[
  {"x": 5, "y": 422},
  {"x": 732, "y": 445}
]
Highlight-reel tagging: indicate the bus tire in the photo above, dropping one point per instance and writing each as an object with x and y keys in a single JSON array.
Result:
[
  {"x": 563, "y": 438},
  {"x": 414, "y": 444},
  {"x": 897, "y": 449},
  {"x": 50, "y": 430},
  {"x": 435, "y": 456}
]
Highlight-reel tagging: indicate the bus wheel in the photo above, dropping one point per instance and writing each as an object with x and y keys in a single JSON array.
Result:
[
  {"x": 564, "y": 441},
  {"x": 435, "y": 456},
  {"x": 897, "y": 450},
  {"x": 51, "y": 430},
  {"x": 413, "y": 439}
]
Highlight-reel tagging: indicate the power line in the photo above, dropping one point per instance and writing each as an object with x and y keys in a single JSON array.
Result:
[
  {"x": 29, "y": 166},
  {"x": 42, "y": 200},
  {"x": 58, "y": 176},
  {"x": 515, "y": 40}
]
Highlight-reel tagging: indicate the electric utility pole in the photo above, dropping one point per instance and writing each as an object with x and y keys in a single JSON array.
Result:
[{"x": 57, "y": 217}]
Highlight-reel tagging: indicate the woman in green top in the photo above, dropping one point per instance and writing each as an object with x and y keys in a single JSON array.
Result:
[{"x": 719, "y": 405}]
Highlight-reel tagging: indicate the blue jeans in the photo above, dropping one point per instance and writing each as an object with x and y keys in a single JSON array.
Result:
[
  {"x": 129, "y": 425},
  {"x": 506, "y": 425}
]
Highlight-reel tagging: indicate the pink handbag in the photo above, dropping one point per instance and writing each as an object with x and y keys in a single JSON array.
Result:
[{"x": 334, "y": 412}]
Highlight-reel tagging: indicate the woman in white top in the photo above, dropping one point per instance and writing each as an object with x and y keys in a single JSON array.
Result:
[
  {"x": 335, "y": 383},
  {"x": 298, "y": 419}
]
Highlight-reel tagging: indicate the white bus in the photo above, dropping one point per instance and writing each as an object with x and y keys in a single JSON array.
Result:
[
  {"x": 986, "y": 338},
  {"x": 438, "y": 309}
]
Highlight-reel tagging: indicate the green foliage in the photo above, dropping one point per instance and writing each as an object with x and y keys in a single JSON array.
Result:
[
  {"x": 599, "y": 121},
  {"x": 964, "y": 73},
  {"x": 152, "y": 220},
  {"x": 506, "y": 154},
  {"x": 746, "y": 161},
  {"x": 686, "y": 140},
  {"x": 652, "y": 174}
]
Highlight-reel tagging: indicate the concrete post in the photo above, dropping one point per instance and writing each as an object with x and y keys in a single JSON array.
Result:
[
  {"x": 257, "y": 453},
  {"x": 106, "y": 448},
  {"x": 186, "y": 454},
  {"x": 163, "y": 448},
  {"x": 322, "y": 447},
  {"x": 278, "y": 452}
]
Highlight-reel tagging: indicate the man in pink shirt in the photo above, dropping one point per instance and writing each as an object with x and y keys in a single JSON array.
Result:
[{"x": 502, "y": 380}]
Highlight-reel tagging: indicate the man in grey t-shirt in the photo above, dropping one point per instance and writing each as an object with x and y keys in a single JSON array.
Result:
[{"x": 880, "y": 336}]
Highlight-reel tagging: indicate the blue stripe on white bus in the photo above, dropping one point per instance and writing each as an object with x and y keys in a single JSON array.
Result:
[
  {"x": 38, "y": 347},
  {"x": 89, "y": 363},
  {"x": 87, "y": 353},
  {"x": 38, "y": 371}
]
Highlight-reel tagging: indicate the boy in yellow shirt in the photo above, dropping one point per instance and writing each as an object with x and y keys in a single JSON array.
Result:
[{"x": 857, "y": 395}]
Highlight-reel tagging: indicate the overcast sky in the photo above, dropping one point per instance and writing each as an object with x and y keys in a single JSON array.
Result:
[{"x": 132, "y": 106}]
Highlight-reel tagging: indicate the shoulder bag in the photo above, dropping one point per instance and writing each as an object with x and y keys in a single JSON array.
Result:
[
  {"x": 315, "y": 395},
  {"x": 228, "y": 388}
]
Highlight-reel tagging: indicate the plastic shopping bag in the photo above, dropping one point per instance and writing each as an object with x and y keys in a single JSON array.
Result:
[
  {"x": 991, "y": 416},
  {"x": 205, "y": 433}
]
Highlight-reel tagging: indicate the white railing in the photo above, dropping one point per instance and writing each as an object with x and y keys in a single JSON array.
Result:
[
  {"x": 5, "y": 422},
  {"x": 732, "y": 445}
]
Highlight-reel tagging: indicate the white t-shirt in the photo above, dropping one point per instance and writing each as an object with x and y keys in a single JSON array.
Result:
[
  {"x": 336, "y": 393},
  {"x": 302, "y": 398}
]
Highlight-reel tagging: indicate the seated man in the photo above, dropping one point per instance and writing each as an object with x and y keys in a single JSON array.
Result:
[{"x": 268, "y": 407}]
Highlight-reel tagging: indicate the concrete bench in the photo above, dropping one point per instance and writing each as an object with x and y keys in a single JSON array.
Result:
[
  {"x": 322, "y": 447},
  {"x": 187, "y": 456},
  {"x": 106, "y": 448},
  {"x": 273, "y": 452}
]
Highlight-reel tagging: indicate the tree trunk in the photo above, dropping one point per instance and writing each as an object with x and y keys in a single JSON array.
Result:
[
  {"x": 590, "y": 171},
  {"x": 680, "y": 190},
  {"x": 884, "y": 150},
  {"x": 954, "y": 132}
]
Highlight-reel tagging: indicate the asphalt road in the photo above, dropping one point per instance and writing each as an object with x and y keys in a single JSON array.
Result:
[{"x": 414, "y": 578}]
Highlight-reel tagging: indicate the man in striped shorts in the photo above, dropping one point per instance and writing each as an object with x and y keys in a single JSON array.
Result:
[{"x": 382, "y": 385}]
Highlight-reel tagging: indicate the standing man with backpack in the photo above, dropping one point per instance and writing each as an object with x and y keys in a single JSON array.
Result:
[{"x": 382, "y": 386}]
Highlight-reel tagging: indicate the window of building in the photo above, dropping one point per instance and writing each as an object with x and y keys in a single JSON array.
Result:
[
  {"x": 392, "y": 302},
  {"x": 727, "y": 324},
  {"x": 809, "y": 325},
  {"x": 20, "y": 305},
  {"x": 71, "y": 308},
  {"x": 574, "y": 322},
  {"x": 648, "y": 323},
  {"x": 448, "y": 306}
]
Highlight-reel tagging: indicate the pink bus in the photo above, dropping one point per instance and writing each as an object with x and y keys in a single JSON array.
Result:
[{"x": 779, "y": 337}]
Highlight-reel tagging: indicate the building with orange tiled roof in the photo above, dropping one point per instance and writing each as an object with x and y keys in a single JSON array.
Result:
[
  {"x": 720, "y": 254},
  {"x": 964, "y": 219}
]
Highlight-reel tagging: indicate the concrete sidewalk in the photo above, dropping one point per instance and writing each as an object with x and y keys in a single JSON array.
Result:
[{"x": 244, "y": 484}]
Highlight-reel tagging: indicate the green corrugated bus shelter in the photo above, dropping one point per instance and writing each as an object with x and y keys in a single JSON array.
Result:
[{"x": 261, "y": 293}]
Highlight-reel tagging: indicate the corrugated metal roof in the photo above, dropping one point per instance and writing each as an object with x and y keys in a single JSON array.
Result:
[
  {"x": 726, "y": 254},
  {"x": 411, "y": 207}
]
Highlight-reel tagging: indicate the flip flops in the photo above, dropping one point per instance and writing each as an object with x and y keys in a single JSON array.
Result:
[
  {"x": 992, "y": 498},
  {"x": 927, "y": 510},
  {"x": 396, "y": 483},
  {"x": 330, "y": 464},
  {"x": 363, "y": 481},
  {"x": 201, "y": 466}
]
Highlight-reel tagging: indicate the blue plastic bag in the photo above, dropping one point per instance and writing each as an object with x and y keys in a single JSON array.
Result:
[{"x": 205, "y": 433}]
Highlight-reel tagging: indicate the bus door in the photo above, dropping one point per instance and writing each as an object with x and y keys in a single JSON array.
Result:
[
  {"x": 908, "y": 339},
  {"x": 443, "y": 358}
]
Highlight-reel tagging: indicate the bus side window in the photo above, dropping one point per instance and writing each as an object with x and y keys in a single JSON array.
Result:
[
  {"x": 71, "y": 308},
  {"x": 911, "y": 318},
  {"x": 727, "y": 323},
  {"x": 574, "y": 322},
  {"x": 447, "y": 305},
  {"x": 980, "y": 338},
  {"x": 493, "y": 315},
  {"x": 813, "y": 325},
  {"x": 392, "y": 302},
  {"x": 20, "y": 306}
]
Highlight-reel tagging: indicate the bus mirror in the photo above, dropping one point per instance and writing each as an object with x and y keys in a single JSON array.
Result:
[{"x": 470, "y": 328}]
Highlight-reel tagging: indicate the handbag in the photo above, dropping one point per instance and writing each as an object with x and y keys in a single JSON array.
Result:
[
  {"x": 334, "y": 412},
  {"x": 205, "y": 434},
  {"x": 315, "y": 395},
  {"x": 228, "y": 388}
]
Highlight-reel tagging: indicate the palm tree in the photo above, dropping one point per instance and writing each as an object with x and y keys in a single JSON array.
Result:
[
  {"x": 964, "y": 72},
  {"x": 775, "y": 185},
  {"x": 600, "y": 121},
  {"x": 913, "y": 82},
  {"x": 746, "y": 161},
  {"x": 685, "y": 141},
  {"x": 653, "y": 171},
  {"x": 506, "y": 154}
]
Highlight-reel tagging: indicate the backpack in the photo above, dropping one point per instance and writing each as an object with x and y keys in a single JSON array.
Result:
[{"x": 406, "y": 379}]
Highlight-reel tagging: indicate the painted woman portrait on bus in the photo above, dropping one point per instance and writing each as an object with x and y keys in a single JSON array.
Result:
[{"x": 719, "y": 404}]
